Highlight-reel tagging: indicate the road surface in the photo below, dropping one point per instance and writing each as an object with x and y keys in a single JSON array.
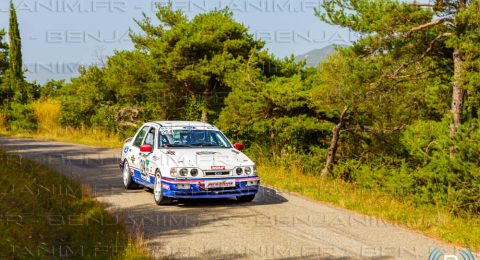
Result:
[{"x": 276, "y": 225}]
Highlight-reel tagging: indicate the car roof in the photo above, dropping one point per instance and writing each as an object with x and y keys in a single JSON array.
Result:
[{"x": 183, "y": 123}]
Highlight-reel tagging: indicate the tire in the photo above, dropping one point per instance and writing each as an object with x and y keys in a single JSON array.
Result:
[
  {"x": 158, "y": 191},
  {"x": 128, "y": 183},
  {"x": 246, "y": 198}
]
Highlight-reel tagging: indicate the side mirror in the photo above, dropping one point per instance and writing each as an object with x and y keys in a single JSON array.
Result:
[
  {"x": 239, "y": 146},
  {"x": 145, "y": 148}
]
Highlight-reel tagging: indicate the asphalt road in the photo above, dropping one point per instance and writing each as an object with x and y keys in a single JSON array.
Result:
[{"x": 276, "y": 225}]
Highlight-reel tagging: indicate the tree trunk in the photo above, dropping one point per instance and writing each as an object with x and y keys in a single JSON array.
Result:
[
  {"x": 458, "y": 93},
  {"x": 205, "y": 95},
  {"x": 332, "y": 150},
  {"x": 272, "y": 145},
  {"x": 204, "y": 115}
]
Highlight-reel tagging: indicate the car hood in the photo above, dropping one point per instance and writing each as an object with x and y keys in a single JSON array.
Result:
[{"x": 205, "y": 159}]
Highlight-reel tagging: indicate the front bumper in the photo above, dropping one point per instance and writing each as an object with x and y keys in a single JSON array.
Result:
[{"x": 173, "y": 188}]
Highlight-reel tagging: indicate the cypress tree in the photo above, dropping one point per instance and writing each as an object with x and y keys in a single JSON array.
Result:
[{"x": 15, "y": 55}]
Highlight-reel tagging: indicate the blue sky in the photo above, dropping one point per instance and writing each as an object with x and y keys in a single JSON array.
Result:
[{"x": 60, "y": 35}]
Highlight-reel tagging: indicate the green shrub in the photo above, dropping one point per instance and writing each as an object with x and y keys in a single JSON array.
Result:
[
  {"x": 21, "y": 117},
  {"x": 76, "y": 111},
  {"x": 430, "y": 174},
  {"x": 105, "y": 118},
  {"x": 442, "y": 177}
]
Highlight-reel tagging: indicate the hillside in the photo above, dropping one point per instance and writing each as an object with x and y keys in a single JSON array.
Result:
[{"x": 314, "y": 57}]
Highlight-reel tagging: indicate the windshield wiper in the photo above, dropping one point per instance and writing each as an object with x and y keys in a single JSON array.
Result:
[
  {"x": 206, "y": 144},
  {"x": 175, "y": 145}
]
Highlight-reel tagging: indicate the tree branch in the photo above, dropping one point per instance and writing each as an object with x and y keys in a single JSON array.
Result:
[
  {"x": 247, "y": 70},
  {"x": 342, "y": 115},
  {"x": 410, "y": 76},
  {"x": 427, "y": 25},
  {"x": 424, "y": 54},
  {"x": 421, "y": 5},
  {"x": 420, "y": 27},
  {"x": 432, "y": 43}
]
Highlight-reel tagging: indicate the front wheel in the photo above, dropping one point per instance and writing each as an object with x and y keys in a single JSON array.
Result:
[
  {"x": 128, "y": 183},
  {"x": 158, "y": 191},
  {"x": 246, "y": 198}
]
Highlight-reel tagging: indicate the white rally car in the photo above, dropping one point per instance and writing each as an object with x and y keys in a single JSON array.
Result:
[{"x": 181, "y": 159}]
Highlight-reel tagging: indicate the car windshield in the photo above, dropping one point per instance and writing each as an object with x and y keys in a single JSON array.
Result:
[{"x": 193, "y": 138}]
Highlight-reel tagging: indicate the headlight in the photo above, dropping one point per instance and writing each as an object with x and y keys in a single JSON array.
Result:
[
  {"x": 194, "y": 172},
  {"x": 239, "y": 171},
  {"x": 183, "y": 172},
  {"x": 248, "y": 170}
]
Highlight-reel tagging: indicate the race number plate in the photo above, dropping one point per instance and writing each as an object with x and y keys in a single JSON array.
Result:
[{"x": 219, "y": 184}]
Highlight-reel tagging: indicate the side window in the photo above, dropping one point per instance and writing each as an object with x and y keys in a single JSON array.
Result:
[
  {"x": 150, "y": 137},
  {"x": 140, "y": 136}
]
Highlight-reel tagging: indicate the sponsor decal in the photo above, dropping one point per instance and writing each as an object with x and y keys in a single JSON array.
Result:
[
  {"x": 147, "y": 162},
  {"x": 189, "y": 127},
  {"x": 219, "y": 184},
  {"x": 171, "y": 152},
  {"x": 132, "y": 158},
  {"x": 125, "y": 150},
  {"x": 218, "y": 168},
  {"x": 165, "y": 131},
  {"x": 155, "y": 158},
  {"x": 166, "y": 186}
]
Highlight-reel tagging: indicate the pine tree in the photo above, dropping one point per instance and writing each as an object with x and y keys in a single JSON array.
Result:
[{"x": 416, "y": 34}]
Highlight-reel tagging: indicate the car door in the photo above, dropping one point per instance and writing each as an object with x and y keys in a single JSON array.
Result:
[
  {"x": 144, "y": 158},
  {"x": 134, "y": 156}
]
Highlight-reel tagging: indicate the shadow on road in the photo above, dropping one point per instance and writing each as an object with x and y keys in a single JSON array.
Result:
[{"x": 265, "y": 196}]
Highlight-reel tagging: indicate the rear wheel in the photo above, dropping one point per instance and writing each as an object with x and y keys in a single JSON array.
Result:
[
  {"x": 246, "y": 198},
  {"x": 158, "y": 191},
  {"x": 128, "y": 183}
]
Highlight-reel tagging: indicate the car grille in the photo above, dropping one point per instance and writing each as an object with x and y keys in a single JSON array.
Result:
[{"x": 217, "y": 173}]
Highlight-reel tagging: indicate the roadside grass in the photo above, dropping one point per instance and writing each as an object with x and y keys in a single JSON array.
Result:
[
  {"x": 3, "y": 122},
  {"x": 93, "y": 137},
  {"x": 47, "y": 215},
  {"x": 436, "y": 223},
  {"x": 47, "y": 113}
]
